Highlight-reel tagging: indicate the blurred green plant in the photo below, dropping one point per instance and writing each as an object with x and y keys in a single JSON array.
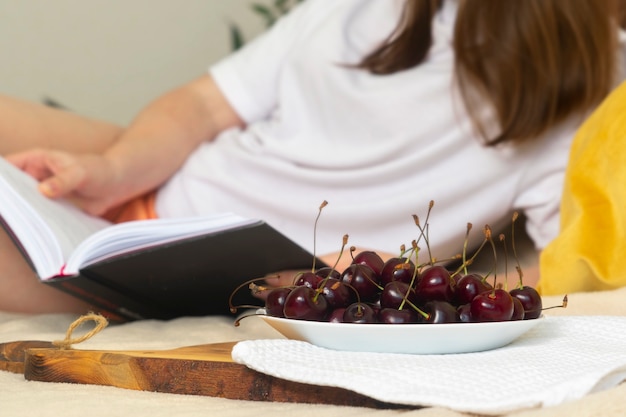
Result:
[{"x": 269, "y": 13}]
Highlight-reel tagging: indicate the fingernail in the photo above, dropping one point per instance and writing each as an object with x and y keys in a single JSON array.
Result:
[{"x": 46, "y": 189}]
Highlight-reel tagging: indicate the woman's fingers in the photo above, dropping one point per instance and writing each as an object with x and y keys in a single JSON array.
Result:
[
  {"x": 31, "y": 162},
  {"x": 79, "y": 178},
  {"x": 66, "y": 175}
]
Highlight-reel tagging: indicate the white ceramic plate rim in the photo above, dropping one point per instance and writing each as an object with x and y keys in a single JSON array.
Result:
[{"x": 404, "y": 338}]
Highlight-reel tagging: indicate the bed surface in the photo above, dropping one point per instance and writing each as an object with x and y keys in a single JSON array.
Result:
[{"x": 19, "y": 397}]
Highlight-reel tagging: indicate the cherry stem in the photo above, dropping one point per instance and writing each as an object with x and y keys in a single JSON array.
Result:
[
  {"x": 506, "y": 264},
  {"x": 405, "y": 299},
  {"x": 416, "y": 220},
  {"x": 427, "y": 226},
  {"x": 249, "y": 284},
  {"x": 521, "y": 274},
  {"x": 465, "y": 242},
  {"x": 471, "y": 260},
  {"x": 325, "y": 280},
  {"x": 344, "y": 242},
  {"x": 416, "y": 251},
  {"x": 419, "y": 310},
  {"x": 239, "y": 319},
  {"x": 319, "y": 213},
  {"x": 563, "y": 304},
  {"x": 356, "y": 292},
  {"x": 518, "y": 268},
  {"x": 424, "y": 230},
  {"x": 495, "y": 255}
]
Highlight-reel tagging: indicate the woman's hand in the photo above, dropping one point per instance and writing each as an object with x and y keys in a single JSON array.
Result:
[
  {"x": 87, "y": 180},
  {"x": 143, "y": 156}
]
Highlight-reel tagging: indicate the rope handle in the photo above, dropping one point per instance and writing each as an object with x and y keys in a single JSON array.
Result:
[{"x": 101, "y": 323}]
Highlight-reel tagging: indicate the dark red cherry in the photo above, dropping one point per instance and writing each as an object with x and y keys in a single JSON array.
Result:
[
  {"x": 359, "y": 313},
  {"x": 518, "y": 310},
  {"x": 275, "y": 301},
  {"x": 363, "y": 279},
  {"x": 327, "y": 271},
  {"x": 395, "y": 316},
  {"x": 493, "y": 305},
  {"x": 464, "y": 313},
  {"x": 435, "y": 284},
  {"x": 469, "y": 286},
  {"x": 336, "y": 316},
  {"x": 439, "y": 312},
  {"x": 531, "y": 300},
  {"x": 337, "y": 293},
  {"x": 375, "y": 304},
  {"x": 309, "y": 279},
  {"x": 371, "y": 259},
  {"x": 395, "y": 293},
  {"x": 398, "y": 269},
  {"x": 304, "y": 303}
]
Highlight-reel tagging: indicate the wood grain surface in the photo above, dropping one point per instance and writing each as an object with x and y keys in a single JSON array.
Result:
[{"x": 193, "y": 370}]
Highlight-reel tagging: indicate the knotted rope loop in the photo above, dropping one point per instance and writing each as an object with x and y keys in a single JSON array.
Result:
[{"x": 101, "y": 323}]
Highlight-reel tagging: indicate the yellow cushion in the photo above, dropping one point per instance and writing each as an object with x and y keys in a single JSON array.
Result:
[{"x": 590, "y": 252}]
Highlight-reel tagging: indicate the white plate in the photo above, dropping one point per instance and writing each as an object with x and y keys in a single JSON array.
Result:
[{"x": 404, "y": 338}]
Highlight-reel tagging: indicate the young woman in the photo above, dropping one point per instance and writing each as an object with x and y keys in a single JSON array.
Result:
[{"x": 377, "y": 107}]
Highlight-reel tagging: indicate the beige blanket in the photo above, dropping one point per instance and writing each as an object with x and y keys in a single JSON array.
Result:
[{"x": 19, "y": 397}]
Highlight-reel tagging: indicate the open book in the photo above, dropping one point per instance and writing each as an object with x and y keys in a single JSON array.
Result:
[{"x": 161, "y": 268}]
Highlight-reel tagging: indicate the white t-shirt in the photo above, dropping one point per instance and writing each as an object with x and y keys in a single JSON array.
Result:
[{"x": 377, "y": 148}]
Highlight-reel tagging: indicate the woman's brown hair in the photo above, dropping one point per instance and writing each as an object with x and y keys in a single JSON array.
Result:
[{"x": 536, "y": 61}]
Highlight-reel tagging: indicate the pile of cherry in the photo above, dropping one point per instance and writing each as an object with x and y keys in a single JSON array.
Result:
[{"x": 397, "y": 291}]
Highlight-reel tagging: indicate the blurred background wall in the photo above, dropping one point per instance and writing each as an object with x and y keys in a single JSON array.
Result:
[{"x": 108, "y": 58}]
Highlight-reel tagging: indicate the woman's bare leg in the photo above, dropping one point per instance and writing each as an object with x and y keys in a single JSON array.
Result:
[
  {"x": 22, "y": 292},
  {"x": 25, "y": 125}
]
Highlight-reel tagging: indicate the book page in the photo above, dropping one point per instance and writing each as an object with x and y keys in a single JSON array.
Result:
[
  {"x": 48, "y": 230},
  {"x": 140, "y": 234}
]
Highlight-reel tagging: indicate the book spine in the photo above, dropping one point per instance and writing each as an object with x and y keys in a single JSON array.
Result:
[{"x": 110, "y": 303}]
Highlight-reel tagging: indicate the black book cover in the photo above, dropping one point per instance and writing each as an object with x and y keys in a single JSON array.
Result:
[{"x": 189, "y": 277}]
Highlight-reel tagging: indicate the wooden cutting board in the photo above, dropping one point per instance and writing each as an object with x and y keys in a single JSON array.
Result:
[{"x": 195, "y": 370}]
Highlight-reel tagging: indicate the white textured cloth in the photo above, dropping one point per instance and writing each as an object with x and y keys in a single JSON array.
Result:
[{"x": 561, "y": 359}]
